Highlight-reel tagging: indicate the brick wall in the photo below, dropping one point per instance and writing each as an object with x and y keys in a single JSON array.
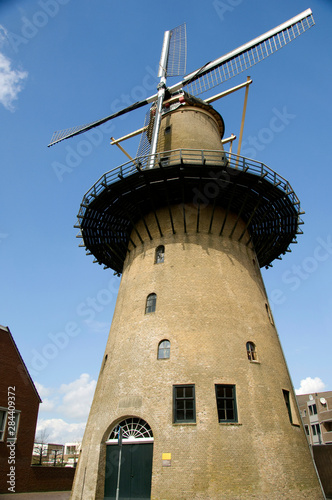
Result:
[
  {"x": 50, "y": 478},
  {"x": 15, "y": 376},
  {"x": 323, "y": 459}
]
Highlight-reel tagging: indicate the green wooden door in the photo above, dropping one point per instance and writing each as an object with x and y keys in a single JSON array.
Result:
[{"x": 136, "y": 471}]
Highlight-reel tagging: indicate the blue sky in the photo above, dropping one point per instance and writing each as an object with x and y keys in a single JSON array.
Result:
[{"x": 68, "y": 62}]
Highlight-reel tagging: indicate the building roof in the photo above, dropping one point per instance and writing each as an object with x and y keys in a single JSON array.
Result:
[{"x": 5, "y": 330}]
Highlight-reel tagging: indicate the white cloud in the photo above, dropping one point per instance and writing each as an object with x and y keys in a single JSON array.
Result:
[
  {"x": 77, "y": 397},
  {"x": 47, "y": 405},
  {"x": 69, "y": 401},
  {"x": 60, "y": 432},
  {"x": 42, "y": 391},
  {"x": 72, "y": 400},
  {"x": 11, "y": 82},
  {"x": 310, "y": 385}
]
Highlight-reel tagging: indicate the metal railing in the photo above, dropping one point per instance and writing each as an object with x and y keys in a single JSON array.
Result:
[{"x": 232, "y": 163}]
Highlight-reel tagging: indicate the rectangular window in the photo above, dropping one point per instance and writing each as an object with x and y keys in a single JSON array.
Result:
[
  {"x": 3, "y": 419},
  {"x": 312, "y": 409},
  {"x": 184, "y": 403},
  {"x": 315, "y": 429},
  {"x": 287, "y": 403},
  {"x": 226, "y": 403},
  {"x": 307, "y": 430}
]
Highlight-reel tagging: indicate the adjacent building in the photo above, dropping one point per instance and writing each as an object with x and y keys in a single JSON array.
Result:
[
  {"x": 316, "y": 413},
  {"x": 19, "y": 404}
]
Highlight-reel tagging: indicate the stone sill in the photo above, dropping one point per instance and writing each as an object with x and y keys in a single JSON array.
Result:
[
  {"x": 230, "y": 423},
  {"x": 184, "y": 423}
]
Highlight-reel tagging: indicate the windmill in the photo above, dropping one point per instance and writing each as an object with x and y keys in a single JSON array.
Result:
[
  {"x": 193, "y": 370},
  {"x": 173, "y": 63}
]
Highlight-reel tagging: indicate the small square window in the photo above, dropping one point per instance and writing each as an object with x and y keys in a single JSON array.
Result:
[
  {"x": 184, "y": 403},
  {"x": 226, "y": 403}
]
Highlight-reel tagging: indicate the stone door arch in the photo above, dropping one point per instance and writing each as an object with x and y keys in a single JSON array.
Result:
[{"x": 136, "y": 460}]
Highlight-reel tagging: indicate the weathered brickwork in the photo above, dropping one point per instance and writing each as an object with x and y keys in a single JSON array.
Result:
[{"x": 210, "y": 301}]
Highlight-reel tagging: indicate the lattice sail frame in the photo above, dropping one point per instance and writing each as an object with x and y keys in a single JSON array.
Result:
[
  {"x": 177, "y": 55},
  {"x": 247, "y": 58},
  {"x": 145, "y": 139}
]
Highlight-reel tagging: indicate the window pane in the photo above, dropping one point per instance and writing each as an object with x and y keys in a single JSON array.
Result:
[
  {"x": 190, "y": 415},
  {"x": 219, "y": 391},
  {"x": 184, "y": 403},
  {"x": 2, "y": 420},
  {"x": 180, "y": 415},
  {"x": 229, "y": 392},
  {"x": 179, "y": 392},
  {"x": 190, "y": 404},
  {"x": 222, "y": 414},
  {"x": 188, "y": 392},
  {"x": 226, "y": 403},
  {"x": 180, "y": 404},
  {"x": 2, "y": 424}
]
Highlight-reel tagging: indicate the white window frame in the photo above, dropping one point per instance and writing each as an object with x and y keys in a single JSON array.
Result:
[{"x": 17, "y": 415}]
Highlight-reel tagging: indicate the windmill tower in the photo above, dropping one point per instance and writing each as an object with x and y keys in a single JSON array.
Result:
[{"x": 194, "y": 399}]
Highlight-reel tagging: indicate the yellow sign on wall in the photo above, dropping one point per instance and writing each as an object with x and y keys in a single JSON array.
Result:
[{"x": 167, "y": 456}]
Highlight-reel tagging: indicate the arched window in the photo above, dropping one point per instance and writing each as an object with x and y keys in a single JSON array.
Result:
[
  {"x": 151, "y": 303},
  {"x": 251, "y": 351},
  {"x": 164, "y": 349},
  {"x": 160, "y": 254},
  {"x": 133, "y": 428}
]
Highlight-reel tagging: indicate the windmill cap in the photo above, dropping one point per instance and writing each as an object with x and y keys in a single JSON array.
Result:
[{"x": 186, "y": 99}]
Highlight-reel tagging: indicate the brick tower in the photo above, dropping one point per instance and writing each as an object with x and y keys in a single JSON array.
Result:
[{"x": 193, "y": 372}]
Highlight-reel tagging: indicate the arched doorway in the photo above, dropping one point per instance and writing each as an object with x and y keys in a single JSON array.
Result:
[{"x": 136, "y": 460}]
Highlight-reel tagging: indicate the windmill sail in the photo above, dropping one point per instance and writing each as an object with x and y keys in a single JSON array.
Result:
[
  {"x": 242, "y": 58},
  {"x": 213, "y": 73},
  {"x": 71, "y": 132},
  {"x": 177, "y": 55}
]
